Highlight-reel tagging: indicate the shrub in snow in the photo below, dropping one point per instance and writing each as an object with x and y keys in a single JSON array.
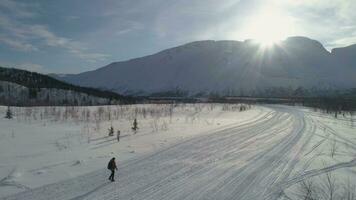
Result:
[{"x": 77, "y": 162}]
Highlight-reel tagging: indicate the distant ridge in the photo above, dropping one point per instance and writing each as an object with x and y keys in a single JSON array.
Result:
[
  {"x": 33, "y": 84},
  {"x": 234, "y": 67}
]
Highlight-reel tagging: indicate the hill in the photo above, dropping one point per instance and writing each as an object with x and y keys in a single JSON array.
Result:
[
  {"x": 20, "y": 87},
  {"x": 228, "y": 67}
]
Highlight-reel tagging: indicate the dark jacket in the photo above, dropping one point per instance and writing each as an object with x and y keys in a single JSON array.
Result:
[{"x": 112, "y": 165}]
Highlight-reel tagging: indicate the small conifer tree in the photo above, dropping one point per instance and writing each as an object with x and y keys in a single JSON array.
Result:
[{"x": 8, "y": 113}]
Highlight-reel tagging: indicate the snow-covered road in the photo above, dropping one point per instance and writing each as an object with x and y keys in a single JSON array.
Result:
[{"x": 248, "y": 161}]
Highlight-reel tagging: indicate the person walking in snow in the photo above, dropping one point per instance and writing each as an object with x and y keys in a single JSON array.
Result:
[
  {"x": 112, "y": 167},
  {"x": 118, "y": 135}
]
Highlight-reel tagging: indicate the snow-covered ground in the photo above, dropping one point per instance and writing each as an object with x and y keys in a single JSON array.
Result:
[
  {"x": 184, "y": 151},
  {"x": 44, "y": 145}
]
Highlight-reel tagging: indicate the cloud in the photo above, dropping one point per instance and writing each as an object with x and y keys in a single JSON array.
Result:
[
  {"x": 343, "y": 42},
  {"x": 31, "y": 67},
  {"x": 331, "y": 21},
  {"x": 129, "y": 27},
  {"x": 71, "y": 17},
  {"x": 342, "y": 9},
  {"x": 76, "y": 48},
  {"x": 90, "y": 57},
  {"x": 18, "y": 45},
  {"x": 18, "y": 9},
  {"x": 34, "y": 37},
  {"x": 189, "y": 20}
]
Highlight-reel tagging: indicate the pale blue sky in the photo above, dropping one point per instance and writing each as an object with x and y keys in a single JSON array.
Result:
[{"x": 71, "y": 36}]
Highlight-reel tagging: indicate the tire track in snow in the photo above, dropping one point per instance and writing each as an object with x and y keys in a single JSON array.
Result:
[
  {"x": 89, "y": 183},
  {"x": 242, "y": 162},
  {"x": 226, "y": 178},
  {"x": 316, "y": 172}
]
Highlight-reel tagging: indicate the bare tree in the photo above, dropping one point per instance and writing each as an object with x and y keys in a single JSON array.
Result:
[
  {"x": 330, "y": 186},
  {"x": 307, "y": 191},
  {"x": 333, "y": 148}
]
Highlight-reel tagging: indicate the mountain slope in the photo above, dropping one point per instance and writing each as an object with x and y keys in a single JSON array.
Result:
[
  {"x": 22, "y": 87},
  {"x": 218, "y": 66}
]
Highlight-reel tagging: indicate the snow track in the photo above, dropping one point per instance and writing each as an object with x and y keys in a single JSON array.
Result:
[{"x": 249, "y": 161}]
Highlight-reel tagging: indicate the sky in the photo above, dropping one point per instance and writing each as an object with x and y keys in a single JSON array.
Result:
[{"x": 72, "y": 36}]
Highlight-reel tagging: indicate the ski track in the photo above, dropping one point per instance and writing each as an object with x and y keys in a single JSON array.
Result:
[{"x": 248, "y": 161}]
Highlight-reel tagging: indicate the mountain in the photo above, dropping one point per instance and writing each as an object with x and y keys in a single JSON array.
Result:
[
  {"x": 20, "y": 87},
  {"x": 228, "y": 66}
]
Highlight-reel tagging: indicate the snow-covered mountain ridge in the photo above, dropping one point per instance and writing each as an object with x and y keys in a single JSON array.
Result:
[{"x": 234, "y": 66}]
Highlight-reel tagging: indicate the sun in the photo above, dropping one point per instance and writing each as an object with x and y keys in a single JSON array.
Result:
[{"x": 269, "y": 26}]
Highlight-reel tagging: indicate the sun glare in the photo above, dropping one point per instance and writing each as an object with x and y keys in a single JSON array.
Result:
[{"x": 268, "y": 27}]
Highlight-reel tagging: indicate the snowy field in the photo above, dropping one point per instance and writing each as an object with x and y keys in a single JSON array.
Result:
[{"x": 184, "y": 151}]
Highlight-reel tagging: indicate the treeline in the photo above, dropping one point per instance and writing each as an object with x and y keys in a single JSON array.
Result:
[
  {"x": 275, "y": 92},
  {"x": 336, "y": 105},
  {"x": 332, "y": 105}
]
